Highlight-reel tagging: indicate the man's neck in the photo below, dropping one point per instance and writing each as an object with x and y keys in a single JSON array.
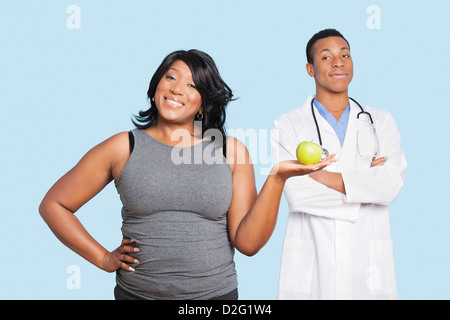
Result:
[{"x": 336, "y": 103}]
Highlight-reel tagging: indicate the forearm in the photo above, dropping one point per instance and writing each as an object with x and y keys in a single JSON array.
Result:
[
  {"x": 258, "y": 224},
  {"x": 332, "y": 180},
  {"x": 68, "y": 229},
  {"x": 378, "y": 185}
]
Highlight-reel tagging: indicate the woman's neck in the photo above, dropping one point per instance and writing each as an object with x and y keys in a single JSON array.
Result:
[{"x": 176, "y": 135}]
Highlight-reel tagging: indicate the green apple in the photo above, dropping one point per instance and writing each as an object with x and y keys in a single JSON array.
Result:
[{"x": 308, "y": 153}]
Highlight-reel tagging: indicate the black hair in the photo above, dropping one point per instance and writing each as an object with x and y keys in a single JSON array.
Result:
[
  {"x": 321, "y": 35},
  {"x": 214, "y": 92}
]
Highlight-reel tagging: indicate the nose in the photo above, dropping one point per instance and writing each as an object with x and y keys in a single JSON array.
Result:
[
  {"x": 175, "y": 89},
  {"x": 338, "y": 62}
]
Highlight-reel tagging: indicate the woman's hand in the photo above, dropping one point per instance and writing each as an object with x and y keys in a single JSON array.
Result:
[
  {"x": 119, "y": 257},
  {"x": 290, "y": 168}
]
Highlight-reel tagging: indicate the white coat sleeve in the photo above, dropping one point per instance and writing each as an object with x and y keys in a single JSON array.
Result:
[
  {"x": 303, "y": 193},
  {"x": 379, "y": 185}
]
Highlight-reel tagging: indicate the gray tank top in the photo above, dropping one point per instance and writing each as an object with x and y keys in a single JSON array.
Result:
[{"x": 175, "y": 208}]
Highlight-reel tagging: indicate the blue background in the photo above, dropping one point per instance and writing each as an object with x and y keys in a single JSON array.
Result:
[{"x": 63, "y": 90}]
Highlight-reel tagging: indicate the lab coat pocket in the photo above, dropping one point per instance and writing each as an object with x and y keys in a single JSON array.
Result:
[
  {"x": 380, "y": 272},
  {"x": 297, "y": 265},
  {"x": 367, "y": 143}
]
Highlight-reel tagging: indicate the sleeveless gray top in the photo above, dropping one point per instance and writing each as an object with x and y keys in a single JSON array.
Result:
[{"x": 175, "y": 202}]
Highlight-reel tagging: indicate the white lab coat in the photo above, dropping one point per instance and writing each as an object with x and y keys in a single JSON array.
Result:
[{"x": 339, "y": 246}]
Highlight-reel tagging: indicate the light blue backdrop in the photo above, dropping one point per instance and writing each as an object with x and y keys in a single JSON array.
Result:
[{"x": 73, "y": 72}]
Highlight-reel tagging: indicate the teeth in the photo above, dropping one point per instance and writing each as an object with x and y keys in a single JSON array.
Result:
[{"x": 174, "y": 103}]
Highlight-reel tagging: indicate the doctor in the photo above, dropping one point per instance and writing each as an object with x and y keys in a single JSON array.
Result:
[{"x": 338, "y": 243}]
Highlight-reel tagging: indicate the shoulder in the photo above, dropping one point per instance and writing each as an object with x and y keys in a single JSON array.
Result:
[
  {"x": 295, "y": 115},
  {"x": 383, "y": 120},
  {"x": 116, "y": 143},
  {"x": 235, "y": 147},
  {"x": 237, "y": 152},
  {"x": 111, "y": 151},
  {"x": 379, "y": 115},
  {"x": 374, "y": 110},
  {"x": 289, "y": 115},
  {"x": 291, "y": 123},
  {"x": 114, "y": 152}
]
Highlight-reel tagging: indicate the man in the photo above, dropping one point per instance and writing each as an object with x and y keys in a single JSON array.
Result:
[{"x": 338, "y": 243}]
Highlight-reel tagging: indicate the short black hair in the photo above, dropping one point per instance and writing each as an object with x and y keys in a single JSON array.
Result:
[
  {"x": 214, "y": 91},
  {"x": 321, "y": 35}
]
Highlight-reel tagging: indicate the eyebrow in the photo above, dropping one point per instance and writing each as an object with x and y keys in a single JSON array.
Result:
[
  {"x": 172, "y": 68},
  {"x": 343, "y": 48}
]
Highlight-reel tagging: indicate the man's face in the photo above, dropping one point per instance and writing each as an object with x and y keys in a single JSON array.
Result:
[{"x": 332, "y": 66}]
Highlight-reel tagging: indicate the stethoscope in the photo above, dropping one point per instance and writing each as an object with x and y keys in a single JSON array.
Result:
[{"x": 325, "y": 152}]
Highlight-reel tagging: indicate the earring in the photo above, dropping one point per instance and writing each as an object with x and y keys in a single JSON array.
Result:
[
  {"x": 199, "y": 116},
  {"x": 153, "y": 99}
]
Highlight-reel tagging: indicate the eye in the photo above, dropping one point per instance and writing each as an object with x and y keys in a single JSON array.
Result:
[
  {"x": 326, "y": 58},
  {"x": 346, "y": 56},
  {"x": 191, "y": 85},
  {"x": 170, "y": 77}
]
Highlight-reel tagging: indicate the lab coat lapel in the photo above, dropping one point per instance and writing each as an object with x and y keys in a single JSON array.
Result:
[
  {"x": 348, "y": 154},
  {"x": 325, "y": 128}
]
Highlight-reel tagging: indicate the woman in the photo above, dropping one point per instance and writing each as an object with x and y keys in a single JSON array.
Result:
[{"x": 181, "y": 220}]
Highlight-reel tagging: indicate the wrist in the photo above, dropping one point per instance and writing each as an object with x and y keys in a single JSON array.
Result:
[
  {"x": 102, "y": 260},
  {"x": 276, "y": 176}
]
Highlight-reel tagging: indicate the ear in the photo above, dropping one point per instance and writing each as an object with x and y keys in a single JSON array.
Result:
[{"x": 310, "y": 69}]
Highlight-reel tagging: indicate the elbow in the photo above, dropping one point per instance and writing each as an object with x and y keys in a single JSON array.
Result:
[
  {"x": 45, "y": 206},
  {"x": 250, "y": 243},
  {"x": 49, "y": 209},
  {"x": 248, "y": 249},
  {"x": 391, "y": 191},
  {"x": 249, "y": 252},
  {"x": 45, "y": 211},
  {"x": 42, "y": 208},
  {"x": 390, "y": 197},
  {"x": 383, "y": 197}
]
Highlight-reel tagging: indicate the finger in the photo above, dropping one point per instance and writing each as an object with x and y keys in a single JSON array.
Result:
[
  {"x": 127, "y": 258},
  {"x": 378, "y": 162},
  {"x": 126, "y": 267},
  {"x": 325, "y": 162},
  {"x": 129, "y": 249},
  {"x": 379, "y": 159},
  {"x": 328, "y": 160},
  {"x": 126, "y": 246},
  {"x": 126, "y": 241},
  {"x": 317, "y": 167}
]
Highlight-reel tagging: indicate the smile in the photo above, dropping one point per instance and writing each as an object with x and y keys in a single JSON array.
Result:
[
  {"x": 338, "y": 75},
  {"x": 173, "y": 102}
]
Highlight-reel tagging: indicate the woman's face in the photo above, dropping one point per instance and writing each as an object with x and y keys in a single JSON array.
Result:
[{"x": 176, "y": 96}]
